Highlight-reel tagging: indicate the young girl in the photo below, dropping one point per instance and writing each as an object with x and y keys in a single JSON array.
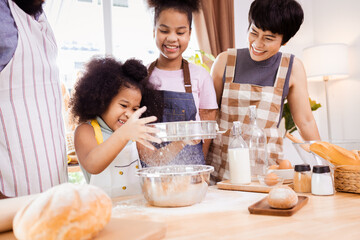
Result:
[
  {"x": 187, "y": 89},
  {"x": 106, "y": 103},
  {"x": 261, "y": 75}
]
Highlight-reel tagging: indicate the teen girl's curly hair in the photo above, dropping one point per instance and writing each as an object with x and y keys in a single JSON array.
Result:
[
  {"x": 184, "y": 6},
  {"x": 101, "y": 82}
]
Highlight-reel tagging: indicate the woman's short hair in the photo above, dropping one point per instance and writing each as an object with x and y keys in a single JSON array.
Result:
[{"x": 278, "y": 16}]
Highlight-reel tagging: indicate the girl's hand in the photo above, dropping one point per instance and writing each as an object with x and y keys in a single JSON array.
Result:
[{"x": 135, "y": 129}]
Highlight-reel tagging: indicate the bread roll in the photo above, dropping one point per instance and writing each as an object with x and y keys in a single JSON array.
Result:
[
  {"x": 67, "y": 211},
  {"x": 282, "y": 197},
  {"x": 335, "y": 154}
]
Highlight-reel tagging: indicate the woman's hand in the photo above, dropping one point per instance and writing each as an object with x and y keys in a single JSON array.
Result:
[{"x": 135, "y": 129}]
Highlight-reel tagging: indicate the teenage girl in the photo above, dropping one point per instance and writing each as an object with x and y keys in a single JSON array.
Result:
[
  {"x": 187, "y": 89},
  {"x": 106, "y": 103}
]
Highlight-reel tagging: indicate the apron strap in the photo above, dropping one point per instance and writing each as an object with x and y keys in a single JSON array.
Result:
[
  {"x": 186, "y": 72},
  {"x": 230, "y": 65},
  {"x": 187, "y": 81},
  {"x": 151, "y": 67},
  {"x": 282, "y": 70},
  {"x": 97, "y": 130}
]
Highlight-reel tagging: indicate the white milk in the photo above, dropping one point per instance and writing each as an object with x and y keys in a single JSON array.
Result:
[{"x": 239, "y": 165}]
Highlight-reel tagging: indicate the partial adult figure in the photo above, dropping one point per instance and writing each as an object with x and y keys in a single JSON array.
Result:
[{"x": 32, "y": 141}]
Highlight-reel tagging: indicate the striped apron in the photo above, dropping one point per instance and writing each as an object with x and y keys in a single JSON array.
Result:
[
  {"x": 235, "y": 103},
  {"x": 32, "y": 141}
]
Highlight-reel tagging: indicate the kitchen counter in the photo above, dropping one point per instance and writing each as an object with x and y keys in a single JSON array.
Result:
[{"x": 224, "y": 215}]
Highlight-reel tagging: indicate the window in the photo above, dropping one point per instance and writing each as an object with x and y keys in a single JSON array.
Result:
[
  {"x": 120, "y": 3},
  {"x": 133, "y": 33},
  {"x": 79, "y": 32}
]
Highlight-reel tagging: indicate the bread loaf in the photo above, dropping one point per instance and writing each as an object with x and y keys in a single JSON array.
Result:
[
  {"x": 67, "y": 211},
  {"x": 282, "y": 197},
  {"x": 335, "y": 154}
]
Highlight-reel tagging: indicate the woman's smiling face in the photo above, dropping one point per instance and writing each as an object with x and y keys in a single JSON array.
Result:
[
  {"x": 172, "y": 33},
  {"x": 263, "y": 44}
]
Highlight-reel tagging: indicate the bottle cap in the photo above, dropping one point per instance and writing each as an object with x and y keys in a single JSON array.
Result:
[
  {"x": 236, "y": 129},
  {"x": 302, "y": 168},
  {"x": 252, "y": 114},
  {"x": 321, "y": 169}
]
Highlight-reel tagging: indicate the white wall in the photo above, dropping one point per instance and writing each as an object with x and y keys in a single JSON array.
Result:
[{"x": 326, "y": 21}]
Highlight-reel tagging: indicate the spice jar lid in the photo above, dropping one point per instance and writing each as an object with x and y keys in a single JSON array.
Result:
[
  {"x": 321, "y": 169},
  {"x": 302, "y": 168}
]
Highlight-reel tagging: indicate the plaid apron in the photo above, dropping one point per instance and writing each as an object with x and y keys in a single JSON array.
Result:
[{"x": 235, "y": 103}]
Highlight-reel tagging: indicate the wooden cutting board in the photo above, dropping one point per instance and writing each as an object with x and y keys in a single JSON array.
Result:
[
  {"x": 119, "y": 228},
  {"x": 262, "y": 207},
  {"x": 252, "y": 187}
]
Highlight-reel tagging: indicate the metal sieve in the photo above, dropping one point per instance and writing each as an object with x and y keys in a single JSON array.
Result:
[{"x": 185, "y": 130}]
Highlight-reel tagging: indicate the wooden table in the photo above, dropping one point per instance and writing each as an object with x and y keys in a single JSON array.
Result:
[{"x": 224, "y": 215}]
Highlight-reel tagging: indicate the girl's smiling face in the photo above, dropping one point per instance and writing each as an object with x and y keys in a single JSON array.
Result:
[
  {"x": 172, "y": 33},
  {"x": 121, "y": 107},
  {"x": 263, "y": 44}
]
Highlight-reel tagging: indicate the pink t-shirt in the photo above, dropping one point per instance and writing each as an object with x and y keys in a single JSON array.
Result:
[{"x": 201, "y": 81}]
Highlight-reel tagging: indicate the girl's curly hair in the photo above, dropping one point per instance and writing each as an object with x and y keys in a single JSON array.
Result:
[
  {"x": 184, "y": 6},
  {"x": 102, "y": 81}
]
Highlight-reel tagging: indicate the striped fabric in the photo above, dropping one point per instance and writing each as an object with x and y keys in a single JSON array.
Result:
[
  {"x": 32, "y": 141},
  {"x": 235, "y": 103}
]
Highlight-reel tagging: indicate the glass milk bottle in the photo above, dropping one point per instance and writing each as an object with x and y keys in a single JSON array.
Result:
[
  {"x": 238, "y": 156},
  {"x": 256, "y": 139}
]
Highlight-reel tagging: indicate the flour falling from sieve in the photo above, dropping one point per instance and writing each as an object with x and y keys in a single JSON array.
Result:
[{"x": 165, "y": 157}]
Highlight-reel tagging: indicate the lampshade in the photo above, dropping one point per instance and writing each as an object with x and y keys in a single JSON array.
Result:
[{"x": 326, "y": 60}]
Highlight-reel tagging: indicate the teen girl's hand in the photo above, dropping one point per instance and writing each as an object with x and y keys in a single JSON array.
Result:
[{"x": 135, "y": 129}]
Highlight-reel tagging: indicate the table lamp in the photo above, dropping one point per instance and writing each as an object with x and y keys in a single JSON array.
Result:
[{"x": 326, "y": 62}]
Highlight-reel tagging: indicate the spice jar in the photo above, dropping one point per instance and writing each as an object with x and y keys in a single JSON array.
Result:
[
  {"x": 321, "y": 181},
  {"x": 302, "y": 178}
]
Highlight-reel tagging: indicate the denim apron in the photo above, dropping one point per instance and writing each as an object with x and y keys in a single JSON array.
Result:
[{"x": 180, "y": 106}]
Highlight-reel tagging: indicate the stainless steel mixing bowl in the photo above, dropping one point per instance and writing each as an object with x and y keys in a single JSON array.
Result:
[
  {"x": 176, "y": 185},
  {"x": 185, "y": 130}
]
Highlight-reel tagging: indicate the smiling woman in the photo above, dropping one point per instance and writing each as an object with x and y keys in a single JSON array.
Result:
[{"x": 260, "y": 75}]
